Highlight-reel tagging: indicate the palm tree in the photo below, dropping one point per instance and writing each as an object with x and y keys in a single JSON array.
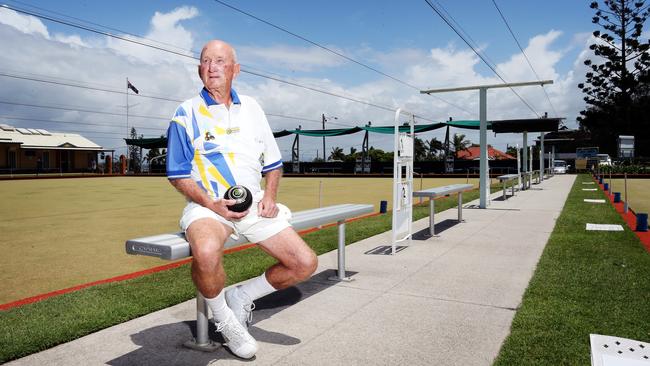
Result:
[
  {"x": 419, "y": 149},
  {"x": 433, "y": 146},
  {"x": 337, "y": 154},
  {"x": 460, "y": 143}
]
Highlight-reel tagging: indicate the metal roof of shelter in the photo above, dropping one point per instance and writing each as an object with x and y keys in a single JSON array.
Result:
[
  {"x": 29, "y": 138},
  {"x": 525, "y": 125}
]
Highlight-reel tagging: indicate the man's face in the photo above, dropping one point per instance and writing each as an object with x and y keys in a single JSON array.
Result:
[{"x": 217, "y": 67}]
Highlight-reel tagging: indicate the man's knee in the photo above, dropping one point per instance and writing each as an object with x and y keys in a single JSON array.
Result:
[
  {"x": 307, "y": 264},
  {"x": 207, "y": 254}
]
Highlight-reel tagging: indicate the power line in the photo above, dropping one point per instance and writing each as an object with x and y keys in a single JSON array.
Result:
[
  {"x": 79, "y": 110},
  {"x": 117, "y": 92},
  {"x": 12, "y": 118},
  {"x": 332, "y": 51},
  {"x": 524, "y": 53},
  {"x": 435, "y": 9},
  {"x": 89, "y": 29},
  {"x": 87, "y": 87}
]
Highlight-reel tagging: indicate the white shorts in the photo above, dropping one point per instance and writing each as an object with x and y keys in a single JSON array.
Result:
[{"x": 252, "y": 226}]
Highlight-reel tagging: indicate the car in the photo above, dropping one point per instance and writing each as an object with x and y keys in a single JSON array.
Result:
[
  {"x": 604, "y": 160},
  {"x": 559, "y": 167}
]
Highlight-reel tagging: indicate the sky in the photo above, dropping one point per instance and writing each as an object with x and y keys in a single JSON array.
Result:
[{"x": 391, "y": 49}]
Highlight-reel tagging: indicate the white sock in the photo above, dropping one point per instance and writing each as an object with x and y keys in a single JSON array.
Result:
[
  {"x": 220, "y": 311},
  {"x": 257, "y": 287}
]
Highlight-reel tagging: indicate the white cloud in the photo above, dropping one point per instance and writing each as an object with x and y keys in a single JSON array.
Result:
[
  {"x": 289, "y": 57},
  {"x": 166, "y": 32},
  {"x": 24, "y": 23}
]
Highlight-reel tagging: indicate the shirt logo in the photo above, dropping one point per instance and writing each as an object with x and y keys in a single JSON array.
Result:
[{"x": 208, "y": 136}]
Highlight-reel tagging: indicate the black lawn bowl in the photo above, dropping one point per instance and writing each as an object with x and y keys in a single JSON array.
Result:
[{"x": 240, "y": 194}]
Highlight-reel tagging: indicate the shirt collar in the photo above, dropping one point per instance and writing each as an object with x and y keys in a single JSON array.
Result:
[{"x": 209, "y": 101}]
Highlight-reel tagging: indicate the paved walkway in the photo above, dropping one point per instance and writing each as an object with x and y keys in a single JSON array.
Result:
[{"x": 446, "y": 300}]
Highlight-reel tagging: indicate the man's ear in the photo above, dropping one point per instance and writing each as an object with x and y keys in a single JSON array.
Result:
[
  {"x": 236, "y": 70},
  {"x": 198, "y": 70}
]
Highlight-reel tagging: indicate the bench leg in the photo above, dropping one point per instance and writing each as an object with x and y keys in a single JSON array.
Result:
[
  {"x": 432, "y": 221},
  {"x": 341, "y": 255},
  {"x": 460, "y": 206},
  {"x": 202, "y": 342}
]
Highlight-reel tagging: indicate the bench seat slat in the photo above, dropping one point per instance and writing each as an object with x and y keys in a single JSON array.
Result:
[
  {"x": 442, "y": 191},
  {"x": 173, "y": 246}
]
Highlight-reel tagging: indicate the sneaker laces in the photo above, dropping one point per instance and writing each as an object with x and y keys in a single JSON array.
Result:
[
  {"x": 249, "y": 311},
  {"x": 221, "y": 326}
]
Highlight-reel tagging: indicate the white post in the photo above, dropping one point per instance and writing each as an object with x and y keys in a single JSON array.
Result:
[
  {"x": 541, "y": 156},
  {"x": 553, "y": 157},
  {"x": 530, "y": 151},
  {"x": 524, "y": 160},
  {"x": 483, "y": 184},
  {"x": 518, "y": 168}
]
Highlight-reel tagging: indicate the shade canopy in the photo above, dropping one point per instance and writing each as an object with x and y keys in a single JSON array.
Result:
[
  {"x": 526, "y": 125},
  {"x": 502, "y": 126}
]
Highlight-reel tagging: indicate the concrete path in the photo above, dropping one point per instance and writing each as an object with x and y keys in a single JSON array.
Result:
[{"x": 446, "y": 300}]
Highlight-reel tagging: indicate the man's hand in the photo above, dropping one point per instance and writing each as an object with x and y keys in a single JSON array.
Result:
[
  {"x": 267, "y": 207},
  {"x": 220, "y": 206}
]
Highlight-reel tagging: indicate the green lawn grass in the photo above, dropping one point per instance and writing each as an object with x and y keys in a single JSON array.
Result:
[
  {"x": 585, "y": 282},
  {"x": 38, "y": 326}
]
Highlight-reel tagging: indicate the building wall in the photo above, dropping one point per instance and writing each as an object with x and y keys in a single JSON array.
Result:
[
  {"x": 4, "y": 154},
  {"x": 66, "y": 160}
]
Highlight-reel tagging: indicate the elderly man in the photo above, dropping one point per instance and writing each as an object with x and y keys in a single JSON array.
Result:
[{"x": 216, "y": 140}]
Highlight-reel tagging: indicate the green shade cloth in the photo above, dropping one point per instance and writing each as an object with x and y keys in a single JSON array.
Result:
[
  {"x": 391, "y": 129},
  {"x": 469, "y": 125},
  {"x": 503, "y": 126},
  {"x": 150, "y": 143}
]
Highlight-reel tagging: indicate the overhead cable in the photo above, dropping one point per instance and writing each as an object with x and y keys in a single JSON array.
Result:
[
  {"x": 525, "y": 56},
  {"x": 126, "y": 39},
  {"x": 435, "y": 9}
]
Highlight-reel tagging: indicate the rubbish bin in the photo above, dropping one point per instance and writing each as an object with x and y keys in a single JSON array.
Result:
[
  {"x": 642, "y": 222},
  {"x": 617, "y": 197},
  {"x": 383, "y": 205}
]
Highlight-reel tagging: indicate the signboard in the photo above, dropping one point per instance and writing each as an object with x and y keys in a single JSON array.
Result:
[
  {"x": 626, "y": 147},
  {"x": 586, "y": 152}
]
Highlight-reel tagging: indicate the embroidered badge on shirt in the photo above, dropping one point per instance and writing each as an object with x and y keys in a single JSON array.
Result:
[{"x": 208, "y": 136}]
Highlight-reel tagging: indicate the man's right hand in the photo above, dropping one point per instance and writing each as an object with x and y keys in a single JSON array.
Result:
[{"x": 220, "y": 206}]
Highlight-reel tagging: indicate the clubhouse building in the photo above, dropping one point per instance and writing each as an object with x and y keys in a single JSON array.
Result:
[{"x": 29, "y": 150}]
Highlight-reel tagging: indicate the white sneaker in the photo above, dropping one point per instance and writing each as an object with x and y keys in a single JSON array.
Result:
[
  {"x": 237, "y": 338},
  {"x": 241, "y": 305}
]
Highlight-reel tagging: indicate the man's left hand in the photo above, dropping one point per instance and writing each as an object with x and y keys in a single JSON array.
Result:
[{"x": 267, "y": 207}]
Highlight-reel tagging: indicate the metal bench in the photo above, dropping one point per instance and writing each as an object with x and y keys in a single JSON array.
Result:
[
  {"x": 433, "y": 193},
  {"x": 173, "y": 246},
  {"x": 504, "y": 179},
  {"x": 526, "y": 180}
]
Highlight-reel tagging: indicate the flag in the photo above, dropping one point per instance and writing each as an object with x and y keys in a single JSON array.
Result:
[{"x": 130, "y": 86}]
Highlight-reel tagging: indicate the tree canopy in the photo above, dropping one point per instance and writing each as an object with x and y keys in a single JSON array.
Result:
[{"x": 616, "y": 87}]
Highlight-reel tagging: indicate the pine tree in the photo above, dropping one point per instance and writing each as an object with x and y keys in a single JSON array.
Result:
[{"x": 613, "y": 83}]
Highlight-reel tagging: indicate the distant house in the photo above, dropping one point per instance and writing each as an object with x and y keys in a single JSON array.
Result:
[
  {"x": 474, "y": 153},
  {"x": 28, "y": 150}
]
